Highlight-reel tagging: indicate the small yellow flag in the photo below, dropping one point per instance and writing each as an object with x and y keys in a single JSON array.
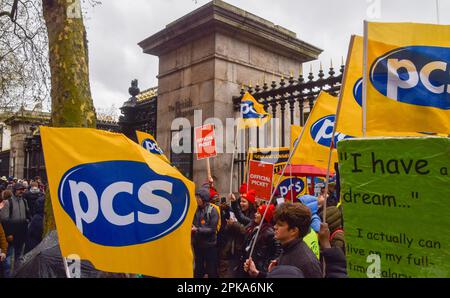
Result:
[
  {"x": 148, "y": 142},
  {"x": 253, "y": 113}
]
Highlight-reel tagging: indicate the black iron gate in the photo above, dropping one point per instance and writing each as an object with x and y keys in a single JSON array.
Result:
[{"x": 283, "y": 99}]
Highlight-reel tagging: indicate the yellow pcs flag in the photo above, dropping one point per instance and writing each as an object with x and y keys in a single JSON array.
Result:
[
  {"x": 148, "y": 142},
  {"x": 408, "y": 77},
  {"x": 116, "y": 205},
  {"x": 252, "y": 112},
  {"x": 350, "y": 117},
  {"x": 314, "y": 145}
]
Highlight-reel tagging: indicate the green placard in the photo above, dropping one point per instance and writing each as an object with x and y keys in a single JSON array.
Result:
[{"x": 396, "y": 203}]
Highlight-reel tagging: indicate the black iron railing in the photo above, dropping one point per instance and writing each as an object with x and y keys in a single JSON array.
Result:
[{"x": 282, "y": 99}]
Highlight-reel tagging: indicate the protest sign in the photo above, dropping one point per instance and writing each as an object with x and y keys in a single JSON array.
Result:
[
  {"x": 291, "y": 183},
  {"x": 277, "y": 156},
  {"x": 205, "y": 141},
  {"x": 260, "y": 178},
  {"x": 395, "y": 194}
]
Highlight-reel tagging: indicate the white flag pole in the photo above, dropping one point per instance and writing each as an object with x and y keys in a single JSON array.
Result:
[
  {"x": 437, "y": 12},
  {"x": 232, "y": 158},
  {"x": 66, "y": 267},
  {"x": 336, "y": 120},
  {"x": 364, "y": 99},
  {"x": 275, "y": 188}
]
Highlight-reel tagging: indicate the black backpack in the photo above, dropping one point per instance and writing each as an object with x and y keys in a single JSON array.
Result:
[
  {"x": 27, "y": 209},
  {"x": 10, "y": 226}
]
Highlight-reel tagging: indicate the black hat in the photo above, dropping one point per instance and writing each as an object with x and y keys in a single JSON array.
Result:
[
  {"x": 203, "y": 193},
  {"x": 18, "y": 186}
]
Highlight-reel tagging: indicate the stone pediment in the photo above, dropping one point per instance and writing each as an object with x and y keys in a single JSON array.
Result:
[{"x": 223, "y": 17}]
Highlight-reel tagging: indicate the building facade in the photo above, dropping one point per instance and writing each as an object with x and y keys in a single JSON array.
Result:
[{"x": 205, "y": 58}]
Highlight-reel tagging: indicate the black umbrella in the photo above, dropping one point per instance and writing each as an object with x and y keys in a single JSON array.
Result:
[{"x": 46, "y": 261}]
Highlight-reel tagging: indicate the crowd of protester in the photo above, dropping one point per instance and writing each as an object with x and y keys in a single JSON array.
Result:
[
  {"x": 293, "y": 240},
  {"x": 289, "y": 237},
  {"x": 22, "y": 219}
]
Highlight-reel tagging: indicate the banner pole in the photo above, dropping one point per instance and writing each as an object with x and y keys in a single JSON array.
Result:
[
  {"x": 437, "y": 12},
  {"x": 232, "y": 159},
  {"x": 336, "y": 120},
  {"x": 364, "y": 99},
  {"x": 275, "y": 188},
  {"x": 208, "y": 168},
  {"x": 332, "y": 145},
  {"x": 66, "y": 267}
]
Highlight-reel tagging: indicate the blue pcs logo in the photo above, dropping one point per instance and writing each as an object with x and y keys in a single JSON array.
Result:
[
  {"x": 417, "y": 75},
  {"x": 357, "y": 91},
  {"x": 248, "y": 111},
  {"x": 152, "y": 147},
  {"x": 322, "y": 130},
  {"x": 296, "y": 184},
  {"x": 120, "y": 203}
]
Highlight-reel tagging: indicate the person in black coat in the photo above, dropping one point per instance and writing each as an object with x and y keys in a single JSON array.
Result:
[
  {"x": 267, "y": 248},
  {"x": 36, "y": 226},
  {"x": 32, "y": 195},
  {"x": 244, "y": 209},
  {"x": 292, "y": 224}
]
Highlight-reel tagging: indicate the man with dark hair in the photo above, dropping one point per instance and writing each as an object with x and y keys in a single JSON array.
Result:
[{"x": 292, "y": 221}]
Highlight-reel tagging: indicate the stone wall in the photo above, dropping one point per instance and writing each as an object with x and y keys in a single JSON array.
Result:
[{"x": 204, "y": 59}]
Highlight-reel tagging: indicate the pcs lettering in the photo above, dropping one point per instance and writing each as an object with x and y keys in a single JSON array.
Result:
[
  {"x": 129, "y": 196},
  {"x": 412, "y": 75}
]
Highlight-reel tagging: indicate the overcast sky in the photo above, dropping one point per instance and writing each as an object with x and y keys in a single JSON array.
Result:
[{"x": 115, "y": 27}]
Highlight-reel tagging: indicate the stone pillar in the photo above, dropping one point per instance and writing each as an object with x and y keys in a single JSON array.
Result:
[
  {"x": 204, "y": 59},
  {"x": 19, "y": 131}
]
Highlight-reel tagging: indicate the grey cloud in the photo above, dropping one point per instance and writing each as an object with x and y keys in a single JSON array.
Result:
[{"x": 115, "y": 27}]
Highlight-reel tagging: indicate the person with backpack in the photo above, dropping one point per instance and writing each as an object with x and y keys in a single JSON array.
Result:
[
  {"x": 32, "y": 195},
  {"x": 36, "y": 226},
  {"x": 15, "y": 216},
  {"x": 204, "y": 235}
]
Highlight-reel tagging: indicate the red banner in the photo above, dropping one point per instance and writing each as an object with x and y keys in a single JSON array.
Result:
[
  {"x": 205, "y": 141},
  {"x": 260, "y": 177}
]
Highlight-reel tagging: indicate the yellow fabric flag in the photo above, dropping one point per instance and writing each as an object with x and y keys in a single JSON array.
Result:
[
  {"x": 296, "y": 130},
  {"x": 252, "y": 112},
  {"x": 116, "y": 205},
  {"x": 148, "y": 142},
  {"x": 314, "y": 145},
  {"x": 408, "y": 78},
  {"x": 350, "y": 117}
]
